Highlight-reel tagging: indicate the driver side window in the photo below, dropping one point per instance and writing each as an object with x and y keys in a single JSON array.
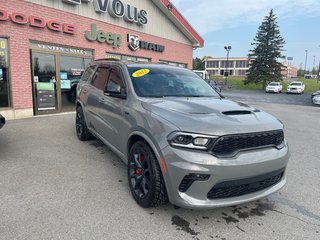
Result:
[
  {"x": 100, "y": 78},
  {"x": 116, "y": 81}
]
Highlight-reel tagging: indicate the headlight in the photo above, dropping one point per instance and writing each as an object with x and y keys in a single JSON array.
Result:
[{"x": 190, "y": 140}]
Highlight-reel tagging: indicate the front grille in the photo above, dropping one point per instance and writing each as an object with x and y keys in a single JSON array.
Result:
[
  {"x": 231, "y": 144},
  {"x": 241, "y": 187}
]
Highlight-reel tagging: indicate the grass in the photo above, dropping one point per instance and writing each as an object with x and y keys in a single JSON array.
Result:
[{"x": 236, "y": 83}]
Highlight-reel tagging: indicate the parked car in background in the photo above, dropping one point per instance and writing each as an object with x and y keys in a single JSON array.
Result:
[
  {"x": 315, "y": 97},
  {"x": 2, "y": 121},
  {"x": 181, "y": 140},
  {"x": 296, "y": 87},
  {"x": 275, "y": 87},
  {"x": 202, "y": 73}
]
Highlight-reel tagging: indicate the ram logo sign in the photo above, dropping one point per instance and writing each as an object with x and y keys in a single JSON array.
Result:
[{"x": 134, "y": 43}]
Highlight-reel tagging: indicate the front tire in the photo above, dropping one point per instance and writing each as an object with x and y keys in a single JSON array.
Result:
[
  {"x": 145, "y": 177},
  {"x": 83, "y": 133}
]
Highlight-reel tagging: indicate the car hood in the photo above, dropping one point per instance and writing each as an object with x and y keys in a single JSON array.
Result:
[{"x": 211, "y": 116}]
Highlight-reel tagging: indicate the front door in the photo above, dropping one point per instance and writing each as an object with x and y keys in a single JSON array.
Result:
[{"x": 44, "y": 82}]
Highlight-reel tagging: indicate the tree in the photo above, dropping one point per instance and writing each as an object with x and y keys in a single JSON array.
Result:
[
  {"x": 268, "y": 45},
  {"x": 197, "y": 64}
]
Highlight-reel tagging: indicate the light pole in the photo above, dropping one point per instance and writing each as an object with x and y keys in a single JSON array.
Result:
[
  {"x": 227, "y": 48},
  {"x": 314, "y": 62},
  {"x": 305, "y": 62}
]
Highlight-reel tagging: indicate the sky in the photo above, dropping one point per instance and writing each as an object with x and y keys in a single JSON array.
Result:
[{"x": 235, "y": 23}]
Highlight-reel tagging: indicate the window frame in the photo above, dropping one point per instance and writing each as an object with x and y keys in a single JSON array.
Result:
[{"x": 9, "y": 88}]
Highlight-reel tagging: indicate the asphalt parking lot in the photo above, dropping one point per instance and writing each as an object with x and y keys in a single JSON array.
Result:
[{"x": 53, "y": 186}]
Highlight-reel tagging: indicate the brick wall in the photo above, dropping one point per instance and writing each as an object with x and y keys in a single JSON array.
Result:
[{"x": 20, "y": 36}]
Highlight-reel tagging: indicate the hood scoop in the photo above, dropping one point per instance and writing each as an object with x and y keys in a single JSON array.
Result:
[{"x": 236, "y": 112}]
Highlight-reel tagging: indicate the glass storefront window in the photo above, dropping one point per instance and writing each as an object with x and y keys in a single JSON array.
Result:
[
  {"x": 127, "y": 57},
  {"x": 4, "y": 74},
  {"x": 183, "y": 65},
  {"x": 71, "y": 70}
]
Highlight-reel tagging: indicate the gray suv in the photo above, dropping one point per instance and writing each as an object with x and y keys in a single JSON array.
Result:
[{"x": 181, "y": 140}]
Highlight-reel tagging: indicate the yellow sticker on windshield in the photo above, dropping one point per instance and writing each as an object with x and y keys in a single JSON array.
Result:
[{"x": 140, "y": 72}]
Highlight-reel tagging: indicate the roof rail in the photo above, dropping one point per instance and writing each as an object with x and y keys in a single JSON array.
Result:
[{"x": 107, "y": 59}]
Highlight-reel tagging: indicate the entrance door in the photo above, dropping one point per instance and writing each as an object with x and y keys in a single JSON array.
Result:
[{"x": 44, "y": 83}]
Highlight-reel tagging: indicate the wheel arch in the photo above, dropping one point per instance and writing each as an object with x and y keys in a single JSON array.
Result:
[{"x": 137, "y": 136}]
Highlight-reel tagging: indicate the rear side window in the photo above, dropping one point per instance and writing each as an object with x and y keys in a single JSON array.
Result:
[
  {"x": 100, "y": 78},
  {"x": 88, "y": 73}
]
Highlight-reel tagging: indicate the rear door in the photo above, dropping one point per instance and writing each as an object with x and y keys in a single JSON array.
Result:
[{"x": 91, "y": 95}]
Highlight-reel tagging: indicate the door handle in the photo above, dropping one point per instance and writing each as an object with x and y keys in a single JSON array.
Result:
[
  {"x": 84, "y": 90},
  {"x": 101, "y": 99}
]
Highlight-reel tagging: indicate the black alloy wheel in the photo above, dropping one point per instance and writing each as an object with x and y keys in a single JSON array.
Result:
[
  {"x": 81, "y": 126},
  {"x": 145, "y": 177}
]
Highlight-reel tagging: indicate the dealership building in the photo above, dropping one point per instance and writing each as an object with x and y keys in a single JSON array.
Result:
[{"x": 45, "y": 46}]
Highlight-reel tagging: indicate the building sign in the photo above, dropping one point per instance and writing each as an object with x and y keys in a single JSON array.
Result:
[
  {"x": 103, "y": 37},
  {"x": 116, "y": 9},
  {"x": 59, "y": 49},
  {"x": 36, "y": 22},
  {"x": 78, "y": 2},
  {"x": 134, "y": 43}
]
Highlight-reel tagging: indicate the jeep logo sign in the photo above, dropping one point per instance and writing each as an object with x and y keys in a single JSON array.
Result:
[
  {"x": 134, "y": 43},
  {"x": 103, "y": 37},
  {"x": 116, "y": 9}
]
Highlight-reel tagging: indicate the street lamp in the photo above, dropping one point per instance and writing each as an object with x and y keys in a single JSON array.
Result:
[
  {"x": 226, "y": 74},
  {"x": 305, "y": 62}
]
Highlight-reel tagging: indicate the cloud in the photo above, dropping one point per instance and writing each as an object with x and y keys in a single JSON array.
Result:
[{"x": 212, "y": 15}]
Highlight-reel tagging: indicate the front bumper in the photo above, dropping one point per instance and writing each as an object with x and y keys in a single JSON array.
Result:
[
  {"x": 316, "y": 100},
  {"x": 294, "y": 90},
  {"x": 248, "y": 164},
  {"x": 272, "y": 90}
]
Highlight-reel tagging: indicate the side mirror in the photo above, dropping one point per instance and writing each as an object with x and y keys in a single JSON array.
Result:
[{"x": 115, "y": 90}]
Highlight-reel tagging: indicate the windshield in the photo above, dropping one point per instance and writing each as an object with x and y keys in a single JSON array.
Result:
[
  {"x": 165, "y": 81},
  {"x": 295, "y": 84},
  {"x": 274, "y": 84}
]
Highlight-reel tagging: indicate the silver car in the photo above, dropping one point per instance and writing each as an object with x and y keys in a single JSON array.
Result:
[{"x": 181, "y": 140}]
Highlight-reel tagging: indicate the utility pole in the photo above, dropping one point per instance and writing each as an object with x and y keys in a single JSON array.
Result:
[{"x": 314, "y": 61}]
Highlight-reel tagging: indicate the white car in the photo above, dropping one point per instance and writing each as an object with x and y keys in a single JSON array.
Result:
[
  {"x": 316, "y": 98},
  {"x": 296, "y": 87},
  {"x": 275, "y": 87}
]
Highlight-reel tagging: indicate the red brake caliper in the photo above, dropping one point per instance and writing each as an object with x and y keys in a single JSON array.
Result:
[{"x": 141, "y": 159}]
